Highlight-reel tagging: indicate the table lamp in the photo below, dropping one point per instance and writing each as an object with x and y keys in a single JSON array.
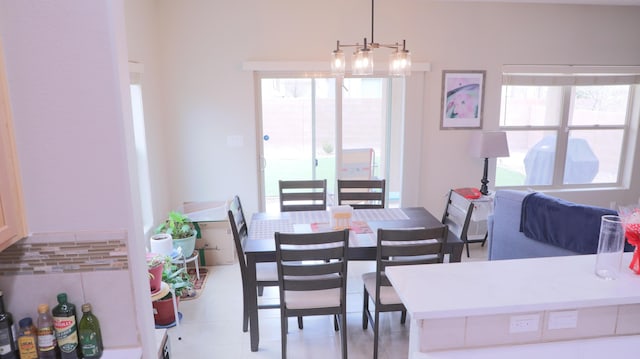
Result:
[{"x": 488, "y": 145}]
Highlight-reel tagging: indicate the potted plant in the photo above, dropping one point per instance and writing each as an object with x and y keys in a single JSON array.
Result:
[
  {"x": 177, "y": 279},
  {"x": 155, "y": 265},
  {"x": 183, "y": 231}
]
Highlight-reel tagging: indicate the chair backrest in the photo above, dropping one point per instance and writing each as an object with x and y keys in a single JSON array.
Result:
[
  {"x": 408, "y": 247},
  {"x": 457, "y": 214},
  {"x": 312, "y": 261},
  {"x": 308, "y": 195},
  {"x": 240, "y": 232},
  {"x": 361, "y": 194}
]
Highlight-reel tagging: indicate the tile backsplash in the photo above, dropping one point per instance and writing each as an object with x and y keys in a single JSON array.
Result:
[
  {"x": 90, "y": 266},
  {"x": 71, "y": 252}
]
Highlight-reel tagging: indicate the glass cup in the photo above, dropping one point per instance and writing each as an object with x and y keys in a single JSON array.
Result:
[{"x": 610, "y": 247}]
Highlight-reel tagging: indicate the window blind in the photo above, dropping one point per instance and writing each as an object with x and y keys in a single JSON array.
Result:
[{"x": 537, "y": 75}]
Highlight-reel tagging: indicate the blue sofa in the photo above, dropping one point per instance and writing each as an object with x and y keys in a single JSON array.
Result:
[{"x": 506, "y": 241}]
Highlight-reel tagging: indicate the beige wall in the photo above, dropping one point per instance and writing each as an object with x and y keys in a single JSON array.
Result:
[{"x": 209, "y": 97}]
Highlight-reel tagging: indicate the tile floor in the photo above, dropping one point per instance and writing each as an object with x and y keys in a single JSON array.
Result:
[{"x": 212, "y": 323}]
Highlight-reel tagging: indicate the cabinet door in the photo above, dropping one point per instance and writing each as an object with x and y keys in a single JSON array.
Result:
[{"x": 12, "y": 226}]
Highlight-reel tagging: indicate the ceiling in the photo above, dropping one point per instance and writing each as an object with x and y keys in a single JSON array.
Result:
[{"x": 573, "y": 2}]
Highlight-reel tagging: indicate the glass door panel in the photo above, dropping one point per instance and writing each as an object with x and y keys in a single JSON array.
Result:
[
  {"x": 298, "y": 132},
  {"x": 372, "y": 115}
]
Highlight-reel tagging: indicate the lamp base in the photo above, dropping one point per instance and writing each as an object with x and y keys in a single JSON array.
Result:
[{"x": 483, "y": 189}]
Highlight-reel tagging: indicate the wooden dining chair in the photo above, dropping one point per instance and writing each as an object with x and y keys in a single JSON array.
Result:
[
  {"x": 361, "y": 194},
  {"x": 266, "y": 273},
  {"x": 312, "y": 272},
  {"x": 309, "y": 195},
  {"x": 397, "y": 247},
  {"x": 457, "y": 216}
]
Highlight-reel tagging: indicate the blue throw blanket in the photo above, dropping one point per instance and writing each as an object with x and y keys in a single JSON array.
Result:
[{"x": 575, "y": 227}]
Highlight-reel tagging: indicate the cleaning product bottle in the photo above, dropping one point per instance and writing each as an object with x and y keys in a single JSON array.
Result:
[
  {"x": 47, "y": 344},
  {"x": 64, "y": 323}
]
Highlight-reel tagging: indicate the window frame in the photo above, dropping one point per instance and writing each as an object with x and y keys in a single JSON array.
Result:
[{"x": 569, "y": 79}]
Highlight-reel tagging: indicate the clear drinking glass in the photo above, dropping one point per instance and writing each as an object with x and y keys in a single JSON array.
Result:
[{"x": 610, "y": 247}]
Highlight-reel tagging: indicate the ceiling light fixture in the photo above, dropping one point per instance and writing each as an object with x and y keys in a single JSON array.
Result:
[{"x": 399, "y": 60}]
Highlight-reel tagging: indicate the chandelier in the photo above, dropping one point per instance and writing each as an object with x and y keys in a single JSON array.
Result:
[{"x": 362, "y": 64}]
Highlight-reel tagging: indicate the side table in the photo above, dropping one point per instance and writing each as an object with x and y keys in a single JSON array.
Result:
[{"x": 482, "y": 209}]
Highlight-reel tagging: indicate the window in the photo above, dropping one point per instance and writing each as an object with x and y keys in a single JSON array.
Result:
[
  {"x": 144, "y": 182},
  {"x": 567, "y": 129}
]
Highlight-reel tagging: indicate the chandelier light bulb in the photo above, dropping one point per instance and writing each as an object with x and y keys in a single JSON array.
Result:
[
  {"x": 363, "y": 62},
  {"x": 338, "y": 64}
]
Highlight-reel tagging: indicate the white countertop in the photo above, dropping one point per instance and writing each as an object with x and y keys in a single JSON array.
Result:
[
  {"x": 124, "y": 353},
  {"x": 510, "y": 286},
  {"x": 597, "y": 348}
]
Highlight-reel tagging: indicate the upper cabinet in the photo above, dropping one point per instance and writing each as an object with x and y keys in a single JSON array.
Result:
[{"x": 12, "y": 223}]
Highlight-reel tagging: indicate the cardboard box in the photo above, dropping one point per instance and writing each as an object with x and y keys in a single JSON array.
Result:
[{"x": 217, "y": 243}]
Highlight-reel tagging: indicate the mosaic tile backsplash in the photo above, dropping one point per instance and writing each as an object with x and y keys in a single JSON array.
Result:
[{"x": 66, "y": 253}]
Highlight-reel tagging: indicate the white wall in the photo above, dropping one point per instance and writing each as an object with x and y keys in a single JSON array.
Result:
[
  {"x": 209, "y": 97},
  {"x": 143, "y": 43},
  {"x": 65, "y": 97},
  {"x": 68, "y": 84}
]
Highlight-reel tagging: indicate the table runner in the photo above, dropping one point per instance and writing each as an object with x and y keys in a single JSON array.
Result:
[{"x": 266, "y": 228}]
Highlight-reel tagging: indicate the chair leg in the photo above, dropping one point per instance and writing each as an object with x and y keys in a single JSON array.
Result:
[
  {"x": 260, "y": 290},
  {"x": 484, "y": 240},
  {"x": 376, "y": 327},
  {"x": 467, "y": 245},
  {"x": 343, "y": 334},
  {"x": 245, "y": 318},
  {"x": 245, "y": 311},
  {"x": 365, "y": 309},
  {"x": 336, "y": 327},
  {"x": 283, "y": 333},
  {"x": 300, "y": 326},
  {"x": 403, "y": 317}
]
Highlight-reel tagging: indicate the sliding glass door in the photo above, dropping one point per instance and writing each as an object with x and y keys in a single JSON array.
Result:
[{"x": 328, "y": 128}]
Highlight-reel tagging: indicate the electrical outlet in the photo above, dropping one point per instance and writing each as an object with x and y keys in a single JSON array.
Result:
[
  {"x": 566, "y": 319},
  {"x": 524, "y": 323}
]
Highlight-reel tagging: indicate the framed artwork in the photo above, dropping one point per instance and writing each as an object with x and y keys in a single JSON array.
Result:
[{"x": 462, "y": 99}]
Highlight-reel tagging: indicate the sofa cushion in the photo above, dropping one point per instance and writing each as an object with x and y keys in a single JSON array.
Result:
[{"x": 505, "y": 239}]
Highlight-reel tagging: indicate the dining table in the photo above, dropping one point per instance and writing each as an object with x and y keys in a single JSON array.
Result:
[{"x": 260, "y": 243}]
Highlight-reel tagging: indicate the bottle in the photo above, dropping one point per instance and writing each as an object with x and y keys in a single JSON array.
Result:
[
  {"x": 47, "y": 344},
  {"x": 27, "y": 339},
  {"x": 8, "y": 348},
  {"x": 64, "y": 323},
  {"x": 90, "y": 336}
]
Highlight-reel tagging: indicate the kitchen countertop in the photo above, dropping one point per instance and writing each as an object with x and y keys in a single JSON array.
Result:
[{"x": 122, "y": 353}]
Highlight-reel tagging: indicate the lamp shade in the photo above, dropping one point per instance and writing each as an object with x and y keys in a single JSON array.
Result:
[{"x": 489, "y": 144}]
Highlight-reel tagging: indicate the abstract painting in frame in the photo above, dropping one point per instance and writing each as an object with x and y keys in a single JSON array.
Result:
[{"x": 462, "y": 99}]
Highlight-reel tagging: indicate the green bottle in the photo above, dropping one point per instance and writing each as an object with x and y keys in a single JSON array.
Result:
[
  {"x": 90, "y": 336},
  {"x": 64, "y": 323}
]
